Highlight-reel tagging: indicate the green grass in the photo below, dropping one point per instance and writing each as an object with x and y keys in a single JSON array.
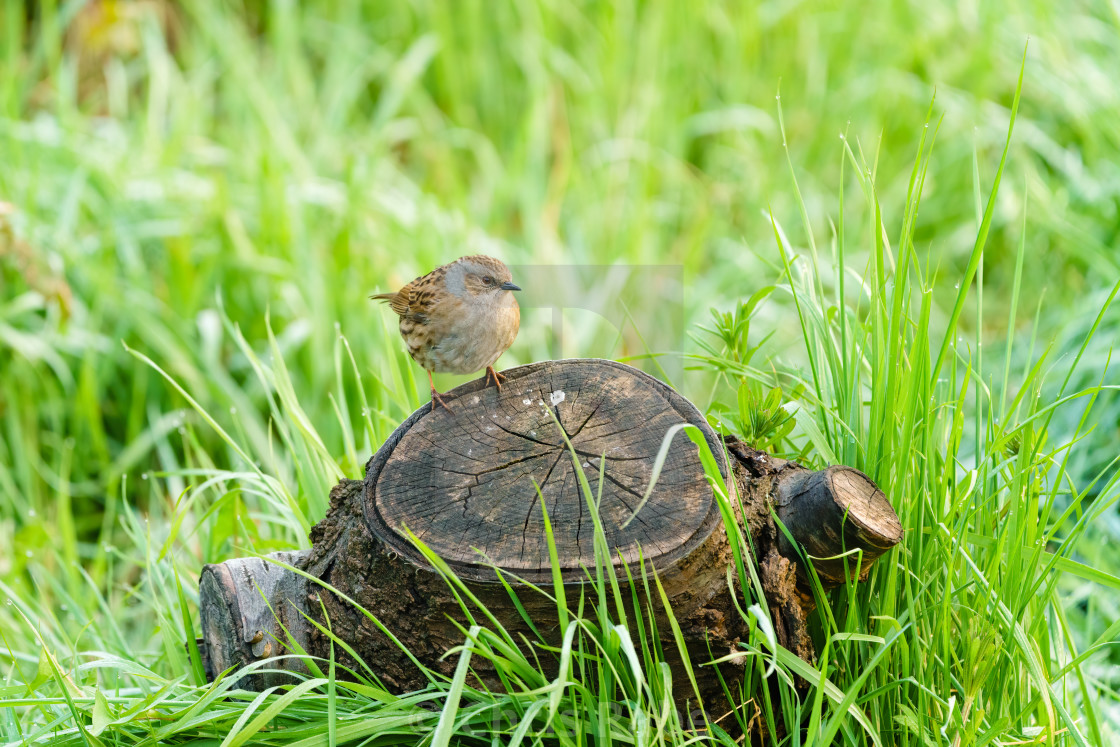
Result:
[{"x": 221, "y": 200}]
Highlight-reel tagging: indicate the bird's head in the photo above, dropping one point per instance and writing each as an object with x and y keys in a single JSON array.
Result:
[{"x": 479, "y": 278}]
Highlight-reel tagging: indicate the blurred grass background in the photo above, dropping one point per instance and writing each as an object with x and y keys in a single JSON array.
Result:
[
  {"x": 294, "y": 157},
  {"x": 172, "y": 176}
]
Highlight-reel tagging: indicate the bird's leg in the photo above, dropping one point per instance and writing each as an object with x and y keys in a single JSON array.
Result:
[
  {"x": 491, "y": 372},
  {"x": 436, "y": 395}
]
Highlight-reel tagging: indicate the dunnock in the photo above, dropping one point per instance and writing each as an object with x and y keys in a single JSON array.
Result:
[{"x": 459, "y": 318}]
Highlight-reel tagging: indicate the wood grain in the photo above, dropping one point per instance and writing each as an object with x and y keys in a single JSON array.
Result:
[{"x": 468, "y": 479}]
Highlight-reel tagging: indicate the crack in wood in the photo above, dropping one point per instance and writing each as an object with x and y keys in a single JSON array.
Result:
[{"x": 537, "y": 495}]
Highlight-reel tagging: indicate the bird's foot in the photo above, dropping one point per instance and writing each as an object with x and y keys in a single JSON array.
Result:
[
  {"x": 437, "y": 397},
  {"x": 498, "y": 378}
]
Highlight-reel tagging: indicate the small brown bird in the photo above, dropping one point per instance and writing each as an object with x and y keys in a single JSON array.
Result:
[{"x": 459, "y": 318}]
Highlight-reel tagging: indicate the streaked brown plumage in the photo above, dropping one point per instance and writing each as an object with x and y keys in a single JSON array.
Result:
[{"x": 459, "y": 318}]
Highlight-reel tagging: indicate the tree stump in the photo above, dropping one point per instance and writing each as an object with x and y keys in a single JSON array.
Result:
[{"x": 464, "y": 482}]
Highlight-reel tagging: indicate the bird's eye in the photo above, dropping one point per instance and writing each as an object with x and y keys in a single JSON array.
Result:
[{"x": 488, "y": 280}]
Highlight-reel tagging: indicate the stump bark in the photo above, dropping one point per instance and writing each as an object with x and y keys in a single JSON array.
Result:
[{"x": 465, "y": 484}]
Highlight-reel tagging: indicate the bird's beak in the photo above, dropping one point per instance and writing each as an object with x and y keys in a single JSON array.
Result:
[{"x": 510, "y": 287}]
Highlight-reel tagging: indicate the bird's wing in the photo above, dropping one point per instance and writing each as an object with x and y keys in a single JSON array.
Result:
[{"x": 416, "y": 299}]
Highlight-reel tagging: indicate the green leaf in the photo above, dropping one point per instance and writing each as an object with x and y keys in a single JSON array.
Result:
[{"x": 101, "y": 714}]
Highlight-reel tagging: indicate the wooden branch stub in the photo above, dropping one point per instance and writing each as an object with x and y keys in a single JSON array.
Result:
[
  {"x": 245, "y": 604},
  {"x": 832, "y": 511}
]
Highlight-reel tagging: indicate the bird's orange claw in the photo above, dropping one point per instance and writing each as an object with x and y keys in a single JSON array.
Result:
[
  {"x": 436, "y": 396},
  {"x": 492, "y": 373}
]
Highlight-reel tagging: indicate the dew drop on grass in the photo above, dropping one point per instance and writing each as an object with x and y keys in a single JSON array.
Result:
[
  {"x": 144, "y": 476},
  {"x": 233, "y": 411},
  {"x": 30, "y": 513},
  {"x": 29, "y": 554}
]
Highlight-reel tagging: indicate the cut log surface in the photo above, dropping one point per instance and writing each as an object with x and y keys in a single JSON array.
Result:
[{"x": 465, "y": 482}]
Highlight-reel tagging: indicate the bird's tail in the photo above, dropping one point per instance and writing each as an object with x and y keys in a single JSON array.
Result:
[{"x": 398, "y": 302}]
